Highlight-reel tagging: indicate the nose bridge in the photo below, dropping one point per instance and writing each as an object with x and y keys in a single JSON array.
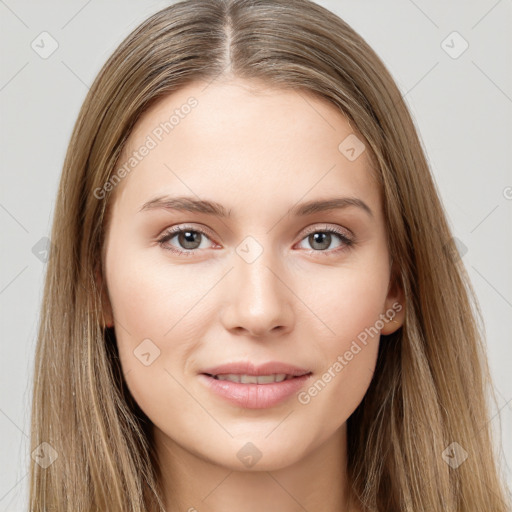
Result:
[{"x": 260, "y": 301}]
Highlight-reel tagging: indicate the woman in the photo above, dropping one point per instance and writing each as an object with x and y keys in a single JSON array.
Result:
[{"x": 254, "y": 300}]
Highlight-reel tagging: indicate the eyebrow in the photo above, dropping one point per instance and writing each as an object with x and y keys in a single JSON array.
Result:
[{"x": 191, "y": 204}]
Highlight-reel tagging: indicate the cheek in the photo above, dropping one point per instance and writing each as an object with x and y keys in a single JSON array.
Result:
[
  {"x": 349, "y": 309},
  {"x": 347, "y": 302},
  {"x": 151, "y": 299},
  {"x": 161, "y": 312},
  {"x": 149, "y": 305}
]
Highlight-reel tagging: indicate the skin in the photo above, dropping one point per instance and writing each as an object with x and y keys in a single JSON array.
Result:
[{"x": 258, "y": 151}]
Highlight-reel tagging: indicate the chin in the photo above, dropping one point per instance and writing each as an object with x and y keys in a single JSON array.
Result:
[{"x": 257, "y": 454}]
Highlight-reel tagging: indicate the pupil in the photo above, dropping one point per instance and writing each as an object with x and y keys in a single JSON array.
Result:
[
  {"x": 187, "y": 239},
  {"x": 324, "y": 239}
]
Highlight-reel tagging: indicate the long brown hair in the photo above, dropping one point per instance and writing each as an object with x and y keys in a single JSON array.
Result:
[{"x": 430, "y": 384}]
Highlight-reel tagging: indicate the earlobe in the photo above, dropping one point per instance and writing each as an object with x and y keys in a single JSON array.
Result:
[
  {"x": 391, "y": 327},
  {"x": 395, "y": 316},
  {"x": 395, "y": 306}
]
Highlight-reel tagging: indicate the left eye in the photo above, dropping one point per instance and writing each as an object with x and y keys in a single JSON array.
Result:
[{"x": 322, "y": 239}]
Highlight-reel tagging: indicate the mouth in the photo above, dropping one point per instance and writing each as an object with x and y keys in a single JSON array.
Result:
[
  {"x": 252, "y": 389},
  {"x": 254, "y": 379},
  {"x": 271, "y": 371}
]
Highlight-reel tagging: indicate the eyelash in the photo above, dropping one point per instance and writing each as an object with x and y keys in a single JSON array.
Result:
[{"x": 171, "y": 233}]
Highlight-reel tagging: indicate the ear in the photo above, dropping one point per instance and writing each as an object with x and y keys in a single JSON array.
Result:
[
  {"x": 394, "y": 305},
  {"x": 106, "y": 308}
]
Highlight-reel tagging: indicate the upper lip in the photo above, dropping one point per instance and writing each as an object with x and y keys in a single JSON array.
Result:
[{"x": 248, "y": 368}]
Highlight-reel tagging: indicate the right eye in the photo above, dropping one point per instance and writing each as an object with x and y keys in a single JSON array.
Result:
[{"x": 188, "y": 239}]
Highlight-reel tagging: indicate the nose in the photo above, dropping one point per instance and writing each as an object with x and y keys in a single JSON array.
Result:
[{"x": 259, "y": 299}]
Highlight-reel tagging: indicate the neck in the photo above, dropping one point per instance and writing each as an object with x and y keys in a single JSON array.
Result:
[{"x": 192, "y": 483}]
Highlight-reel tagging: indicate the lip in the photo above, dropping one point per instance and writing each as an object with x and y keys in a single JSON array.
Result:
[
  {"x": 248, "y": 368},
  {"x": 255, "y": 396}
]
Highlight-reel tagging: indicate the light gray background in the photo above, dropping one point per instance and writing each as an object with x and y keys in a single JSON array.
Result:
[{"x": 462, "y": 107}]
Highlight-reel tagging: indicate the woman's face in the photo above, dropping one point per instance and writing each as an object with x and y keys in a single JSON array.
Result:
[{"x": 277, "y": 278}]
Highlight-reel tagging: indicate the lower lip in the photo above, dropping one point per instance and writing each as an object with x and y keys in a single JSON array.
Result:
[{"x": 255, "y": 396}]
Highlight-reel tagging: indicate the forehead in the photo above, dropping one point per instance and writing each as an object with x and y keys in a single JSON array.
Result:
[{"x": 241, "y": 142}]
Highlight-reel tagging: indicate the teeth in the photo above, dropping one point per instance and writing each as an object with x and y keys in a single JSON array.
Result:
[{"x": 253, "y": 379}]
